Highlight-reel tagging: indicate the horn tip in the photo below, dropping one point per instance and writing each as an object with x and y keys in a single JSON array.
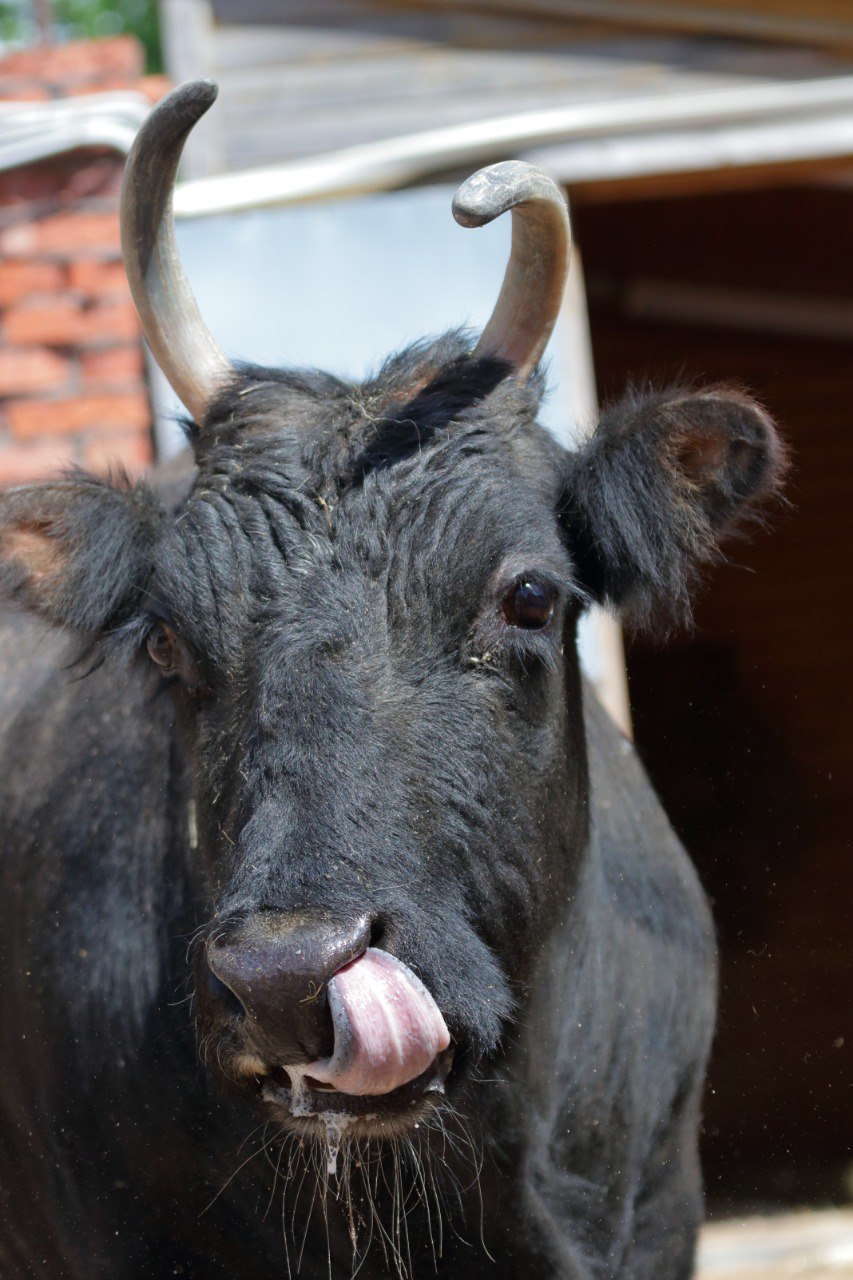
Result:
[
  {"x": 474, "y": 204},
  {"x": 498, "y": 187},
  {"x": 204, "y": 88},
  {"x": 188, "y": 101}
]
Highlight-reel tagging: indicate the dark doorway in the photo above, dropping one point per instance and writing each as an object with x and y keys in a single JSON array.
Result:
[{"x": 745, "y": 724}]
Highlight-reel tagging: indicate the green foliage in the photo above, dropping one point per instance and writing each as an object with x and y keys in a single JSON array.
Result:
[
  {"x": 12, "y": 23},
  {"x": 89, "y": 19},
  {"x": 93, "y": 18}
]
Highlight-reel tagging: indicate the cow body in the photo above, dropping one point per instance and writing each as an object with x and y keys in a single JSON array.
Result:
[{"x": 340, "y": 930}]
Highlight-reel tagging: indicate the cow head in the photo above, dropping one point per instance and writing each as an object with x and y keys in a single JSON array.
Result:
[{"x": 365, "y": 609}]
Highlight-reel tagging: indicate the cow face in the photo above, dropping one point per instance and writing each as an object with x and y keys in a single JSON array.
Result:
[{"x": 364, "y": 609}]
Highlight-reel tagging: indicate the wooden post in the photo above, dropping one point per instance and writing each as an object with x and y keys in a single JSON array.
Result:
[{"x": 600, "y": 639}]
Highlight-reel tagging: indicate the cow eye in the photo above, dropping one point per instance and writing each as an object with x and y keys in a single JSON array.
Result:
[
  {"x": 530, "y": 605},
  {"x": 162, "y": 646}
]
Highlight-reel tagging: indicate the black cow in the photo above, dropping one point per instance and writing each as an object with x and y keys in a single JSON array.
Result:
[{"x": 340, "y": 929}]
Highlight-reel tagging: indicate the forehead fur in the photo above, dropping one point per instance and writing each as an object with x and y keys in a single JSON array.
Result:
[
  {"x": 326, "y": 435},
  {"x": 309, "y": 484}
]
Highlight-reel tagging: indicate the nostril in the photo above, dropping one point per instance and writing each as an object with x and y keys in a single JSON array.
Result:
[
  {"x": 380, "y": 934},
  {"x": 223, "y": 995},
  {"x": 318, "y": 1039},
  {"x": 271, "y": 975}
]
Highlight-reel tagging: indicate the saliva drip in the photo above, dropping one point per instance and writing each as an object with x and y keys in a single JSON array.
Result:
[
  {"x": 336, "y": 1124},
  {"x": 304, "y": 1103}
]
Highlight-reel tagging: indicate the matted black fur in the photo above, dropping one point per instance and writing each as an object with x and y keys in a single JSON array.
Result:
[{"x": 351, "y": 723}]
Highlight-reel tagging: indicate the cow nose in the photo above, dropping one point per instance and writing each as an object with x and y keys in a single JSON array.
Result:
[{"x": 277, "y": 966}]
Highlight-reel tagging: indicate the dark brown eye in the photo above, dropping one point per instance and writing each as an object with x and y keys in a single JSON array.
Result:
[
  {"x": 529, "y": 605},
  {"x": 162, "y": 646}
]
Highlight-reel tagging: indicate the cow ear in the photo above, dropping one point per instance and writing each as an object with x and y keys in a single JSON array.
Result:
[
  {"x": 656, "y": 488},
  {"x": 78, "y": 551}
]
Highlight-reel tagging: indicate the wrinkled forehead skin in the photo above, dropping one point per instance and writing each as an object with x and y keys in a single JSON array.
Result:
[{"x": 336, "y": 570}]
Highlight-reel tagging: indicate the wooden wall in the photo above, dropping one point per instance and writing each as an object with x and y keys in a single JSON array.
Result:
[
  {"x": 746, "y": 724},
  {"x": 819, "y": 21}
]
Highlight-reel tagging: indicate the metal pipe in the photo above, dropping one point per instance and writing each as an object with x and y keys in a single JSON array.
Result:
[{"x": 395, "y": 161}]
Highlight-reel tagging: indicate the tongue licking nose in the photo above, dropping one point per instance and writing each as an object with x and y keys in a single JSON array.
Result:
[{"x": 388, "y": 1028}]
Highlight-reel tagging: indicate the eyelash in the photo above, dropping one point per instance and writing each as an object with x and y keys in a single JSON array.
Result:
[
  {"x": 179, "y": 666},
  {"x": 160, "y": 634}
]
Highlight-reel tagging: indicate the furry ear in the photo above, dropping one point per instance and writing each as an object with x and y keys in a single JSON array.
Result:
[
  {"x": 77, "y": 551},
  {"x": 662, "y": 480}
]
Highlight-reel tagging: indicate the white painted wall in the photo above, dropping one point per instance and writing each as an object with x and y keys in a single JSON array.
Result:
[{"x": 340, "y": 285}]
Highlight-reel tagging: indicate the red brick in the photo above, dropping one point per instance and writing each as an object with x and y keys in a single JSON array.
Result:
[
  {"x": 64, "y": 234},
  {"x": 131, "y": 451},
  {"x": 62, "y": 180},
  {"x": 75, "y": 61},
  {"x": 113, "y": 365},
  {"x": 13, "y": 90},
  {"x": 56, "y": 322},
  {"x": 110, "y": 323},
  {"x": 34, "y": 462},
  {"x": 32, "y": 418},
  {"x": 154, "y": 87},
  {"x": 64, "y": 322},
  {"x": 96, "y": 278},
  {"x": 27, "y": 370},
  {"x": 99, "y": 84},
  {"x": 19, "y": 280}
]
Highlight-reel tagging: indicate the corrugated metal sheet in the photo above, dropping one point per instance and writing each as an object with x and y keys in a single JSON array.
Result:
[{"x": 329, "y": 75}]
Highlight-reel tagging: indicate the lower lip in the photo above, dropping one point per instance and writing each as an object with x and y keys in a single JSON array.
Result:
[{"x": 302, "y": 1098}]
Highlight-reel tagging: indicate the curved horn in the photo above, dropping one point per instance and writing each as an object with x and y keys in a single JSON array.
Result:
[
  {"x": 532, "y": 292},
  {"x": 176, "y": 333}
]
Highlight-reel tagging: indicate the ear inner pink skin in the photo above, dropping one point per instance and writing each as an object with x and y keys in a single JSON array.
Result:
[{"x": 388, "y": 1028}]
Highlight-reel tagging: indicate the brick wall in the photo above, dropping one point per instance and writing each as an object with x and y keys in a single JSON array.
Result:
[{"x": 72, "y": 384}]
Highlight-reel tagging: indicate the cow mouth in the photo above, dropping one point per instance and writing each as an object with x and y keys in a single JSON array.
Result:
[
  {"x": 391, "y": 1054},
  {"x": 295, "y": 1091}
]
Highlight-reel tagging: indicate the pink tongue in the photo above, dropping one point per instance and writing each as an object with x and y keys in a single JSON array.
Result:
[{"x": 388, "y": 1028}]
